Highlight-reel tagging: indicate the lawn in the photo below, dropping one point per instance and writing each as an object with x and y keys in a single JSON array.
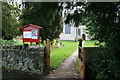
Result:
[
  {"x": 21, "y": 43},
  {"x": 91, "y": 43},
  {"x": 76, "y": 65},
  {"x": 59, "y": 54}
]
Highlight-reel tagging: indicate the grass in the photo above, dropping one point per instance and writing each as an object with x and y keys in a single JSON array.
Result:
[
  {"x": 76, "y": 65},
  {"x": 59, "y": 54},
  {"x": 21, "y": 43},
  {"x": 91, "y": 43}
]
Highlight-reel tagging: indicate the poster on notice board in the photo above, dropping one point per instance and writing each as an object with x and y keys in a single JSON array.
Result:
[
  {"x": 34, "y": 34},
  {"x": 27, "y": 34}
]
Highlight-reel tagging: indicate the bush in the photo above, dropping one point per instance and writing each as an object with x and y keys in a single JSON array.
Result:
[
  {"x": 104, "y": 66},
  {"x": 8, "y": 42}
]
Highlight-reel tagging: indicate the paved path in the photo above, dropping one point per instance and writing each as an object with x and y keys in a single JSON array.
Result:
[{"x": 66, "y": 69}]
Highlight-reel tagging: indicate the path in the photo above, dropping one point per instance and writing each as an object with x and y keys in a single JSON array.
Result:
[{"x": 66, "y": 69}]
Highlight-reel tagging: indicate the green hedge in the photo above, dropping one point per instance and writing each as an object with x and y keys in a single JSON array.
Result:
[
  {"x": 7, "y": 41},
  {"x": 103, "y": 65}
]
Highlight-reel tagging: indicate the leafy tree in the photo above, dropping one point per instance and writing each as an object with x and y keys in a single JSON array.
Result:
[
  {"x": 45, "y": 14},
  {"x": 10, "y": 22},
  {"x": 0, "y": 19},
  {"x": 74, "y": 14},
  {"x": 101, "y": 17},
  {"x": 102, "y": 21}
]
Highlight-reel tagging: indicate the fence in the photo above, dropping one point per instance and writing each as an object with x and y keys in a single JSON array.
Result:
[
  {"x": 28, "y": 59},
  {"x": 85, "y": 56}
]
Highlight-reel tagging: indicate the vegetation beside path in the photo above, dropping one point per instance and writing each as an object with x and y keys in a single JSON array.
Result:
[
  {"x": 92, "y": 43},
  {"x": 57, "y": 54},
  {"x": 60, "y": 54}
]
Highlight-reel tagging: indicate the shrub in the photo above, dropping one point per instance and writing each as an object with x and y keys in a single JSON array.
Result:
[
  {"x": 104, "y": 66},
  {"x": 8, "y": 42}
]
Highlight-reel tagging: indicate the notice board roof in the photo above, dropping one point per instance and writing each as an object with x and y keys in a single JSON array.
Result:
[{"x": 30, "y": 25}]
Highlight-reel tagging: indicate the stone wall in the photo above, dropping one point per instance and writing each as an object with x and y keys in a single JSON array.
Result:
[{"x": 21, "y": 58}]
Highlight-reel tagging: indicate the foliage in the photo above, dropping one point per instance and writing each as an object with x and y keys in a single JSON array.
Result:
[
  {"x": 10, "y": 22},
  {"x": 45, "y": 14},
  {"x": 93, "y": 43},
  {"x": 74, "y": 14},
  {"x": 59, "y": 54},
  {"x": 102, "y": 21},
  {"x": 104, "y": 65},
  {"x": 76, "y": 65},
  {"x": 0, "y": 19},
  {"x": 103, "y": 25},
  {"x": 75, "y": 18},
  {"x": 8, "y": 42}
]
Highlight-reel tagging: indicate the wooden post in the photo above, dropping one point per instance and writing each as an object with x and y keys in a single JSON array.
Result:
[
  {"x": 80, "y": 42},
  {"x": 30, "y": 43},
  {"x": 84, "y": 52},
  {"x": 47, "y": 57},
  {"x": 81, "y": 65}
]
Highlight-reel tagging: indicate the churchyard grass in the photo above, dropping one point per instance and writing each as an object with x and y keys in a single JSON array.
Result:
[
  {"x": 58, "y": 55},
  {"x": 91, "y": 43}
]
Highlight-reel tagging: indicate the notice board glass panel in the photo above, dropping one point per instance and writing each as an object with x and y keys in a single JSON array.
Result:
[
  {"x": 34, "y": 34},
  {"x": 27, "y": 34}
]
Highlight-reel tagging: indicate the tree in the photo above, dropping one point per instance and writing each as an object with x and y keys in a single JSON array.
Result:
[
  {"x": 75, "y": 17},
  {"x": 10, "y": 22},
  {"x": 0, "y": 19},
  {"x": 45, "y": 14},
  {"x": 102, "y": 21}
]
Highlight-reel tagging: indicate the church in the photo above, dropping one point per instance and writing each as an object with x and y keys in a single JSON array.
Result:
[{"x": 72, "y": 33}]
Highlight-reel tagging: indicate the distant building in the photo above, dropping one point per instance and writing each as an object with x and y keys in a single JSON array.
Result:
[{"x": 72, "y": 33}]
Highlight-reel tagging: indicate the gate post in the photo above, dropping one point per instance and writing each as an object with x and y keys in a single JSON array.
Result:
[
  {"x": 84, "y": 52},
  {"x": 81, "y": 59},
  {"x": 47, "y": 57}
]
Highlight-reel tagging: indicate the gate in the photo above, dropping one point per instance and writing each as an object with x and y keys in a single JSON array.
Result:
[
  {"x": 81, "y": 62},
  {"x": 85, "y": 56}
]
